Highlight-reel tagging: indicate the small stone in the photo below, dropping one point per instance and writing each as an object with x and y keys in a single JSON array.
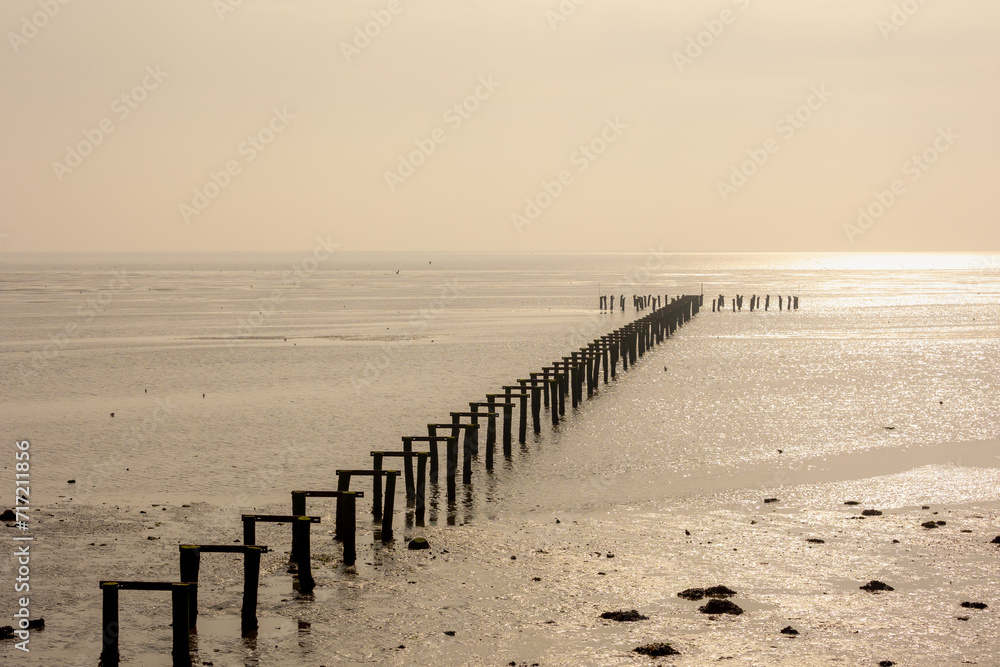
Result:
[
  {"x": 719, "y": 592},
  {"x": 692, "y": 593},
  {"x": 8, "y": 515},
  {"x": 962, "y": 618},
  {"x": 929, "y": 524},
  {"x": 886, "y": 663},
  {"x": 789, "y": 630},
  {"x": 716, "y": 606},
  {"x": 657, "y": 650},
  {"x": 688, "y": 533},
  {"x": 71, "y": 481},
  {"x": 536, "y": 578},
  {"x": 450, "y": 633},
  {"x": 925, "y": 507},
  {"x": 418, "y": 543},
  {"x": 871, "y": 513},
  {"x": 874, "y": 586},
  {"x": 610, "y": 555},
  {"x": 995, "y": 540},
  {"x": 770, "y": 500},
  {"x": 895, "y": 541},
  {"x": 851, "y": 502},
  {"x": 513, "y": 557},
  {"x": 974, "y": 605},
  {"x": 815, "y": 540},
  {"x": 940, "y": 523},
  {"x": 624, "y": 616}
]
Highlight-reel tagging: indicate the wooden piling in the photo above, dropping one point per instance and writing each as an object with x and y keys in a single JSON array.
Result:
[
  {"x": 190, "y": 562},
  {"x": 251, "y": 580},
  {"x": 180, "y": 596},
  {"x": 300, "y": 536},
  {"x": 109, "y": 624}
]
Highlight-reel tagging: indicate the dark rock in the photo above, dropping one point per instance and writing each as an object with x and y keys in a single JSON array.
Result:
[
  {"x": 815, "y": 540},
  {"x": 717, "y": 606},
  {"x": 719, "y": 592},
  {"x": 536, "y": 578},
  {"x": 962, "y": 618},
  {"x": 851, "y": 502},
  {"x": 995, "y": 540},
  {"x": 886, "y": 663},
  {"x": 610, "y": 555},
  {"x": 418, "y": 543},
  {"x": 871, "y": 513},
  {"x": 692, "y": 593},
  {"x": 874, "y": 586},
  {"x": 974, "y": 605},
  {"x": 789, "y": 630},
  {"x": 770, "y": 500},
  {"x": 929, "y": 524},
  {"x": 895, "y": 541},
  {"x": 624, "y": 616},
  {"x": 36, "y": 624},
  {"x": 9, "y": 515},
  {"x": 940, "y": 523},
  {"x": 71, "y": 481},
  {"x": 657, "y": 650},
  {"x": 450, "y": 633},
  {"x": 925, "y": 507}
]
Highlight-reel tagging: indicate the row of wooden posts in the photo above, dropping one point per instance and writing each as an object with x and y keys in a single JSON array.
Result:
[
  {"x": 566, "y": 378},
  {"x": 736, "y": 302},
  {"x": 644, "y": 301}
]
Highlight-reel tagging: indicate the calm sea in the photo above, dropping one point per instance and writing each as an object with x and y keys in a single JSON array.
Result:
[{"x": 224, "y": 381}]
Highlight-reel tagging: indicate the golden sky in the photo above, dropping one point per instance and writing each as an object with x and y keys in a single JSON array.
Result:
[{"x": 521, "y": 125}]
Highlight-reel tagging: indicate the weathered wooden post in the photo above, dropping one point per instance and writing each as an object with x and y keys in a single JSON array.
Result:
[
  {"x": 510, "y": 393},
  {"x": 190, "y": 561},
  {"x": 109, "y": 624},
  {"x": 452, "y": 466},
  {"x": 796, "y": 303},
  {"x": 349, "y": 529},
  {"x": 421, "y": 487},
  {"x": 303, "y": 562},
  {"x": 491, "y": 421},
  {"x": 180, "y": 596},
  {"x": 251, "y": 580}
]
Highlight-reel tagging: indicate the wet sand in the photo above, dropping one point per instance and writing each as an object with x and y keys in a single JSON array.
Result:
[{"x": 528, "y": 585}]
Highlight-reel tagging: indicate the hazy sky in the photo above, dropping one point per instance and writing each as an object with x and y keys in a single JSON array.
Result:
[{"x": 730, "y": 125}]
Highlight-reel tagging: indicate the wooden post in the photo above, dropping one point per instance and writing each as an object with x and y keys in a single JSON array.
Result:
[
  {"x": 377, "y": 485},
  {"x": 452, "y": 465},
  {"x": 349, "y": 529},
  {"x": 251, "y": 580},
  {"x": 553, "y": 386},
  {"x": 390, "y": 499},
  {"x": 109, "y": 624},
  {"x": 249, "y": 529},
  {"x": 522, "y": 427},
  {"x": 421, "y": 486},
  {"x": 408, "y": 471},
  {"x": 536, "y": 408},
  {"x": 180, "y": 594},
  {"x": 300, "y": 535},
  {"x": 190, "y": 557}
]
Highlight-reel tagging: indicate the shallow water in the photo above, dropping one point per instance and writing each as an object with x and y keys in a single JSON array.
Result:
[{"x": 865, "y": 390}]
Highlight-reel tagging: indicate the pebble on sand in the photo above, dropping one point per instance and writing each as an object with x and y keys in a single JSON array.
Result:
[
  {"x": 657, "y": 650},
  {"x": 871, "y": 513},
  {"x": 8, "y": 515},
  {"x": 418, "y": 543},
  {"x": 789, "y": 630},
  {"x": 719, "y": 591},
  {"x": 815, "y": 540},
  {"x": 996, "y": 540},
  {"x": 975, "y": 605},
  {"x": 716, "y": 606},
  {"x": 770, "y": 500},
  {"x": 874, "y": 586},
  {"x": 624, "y": 616}
]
